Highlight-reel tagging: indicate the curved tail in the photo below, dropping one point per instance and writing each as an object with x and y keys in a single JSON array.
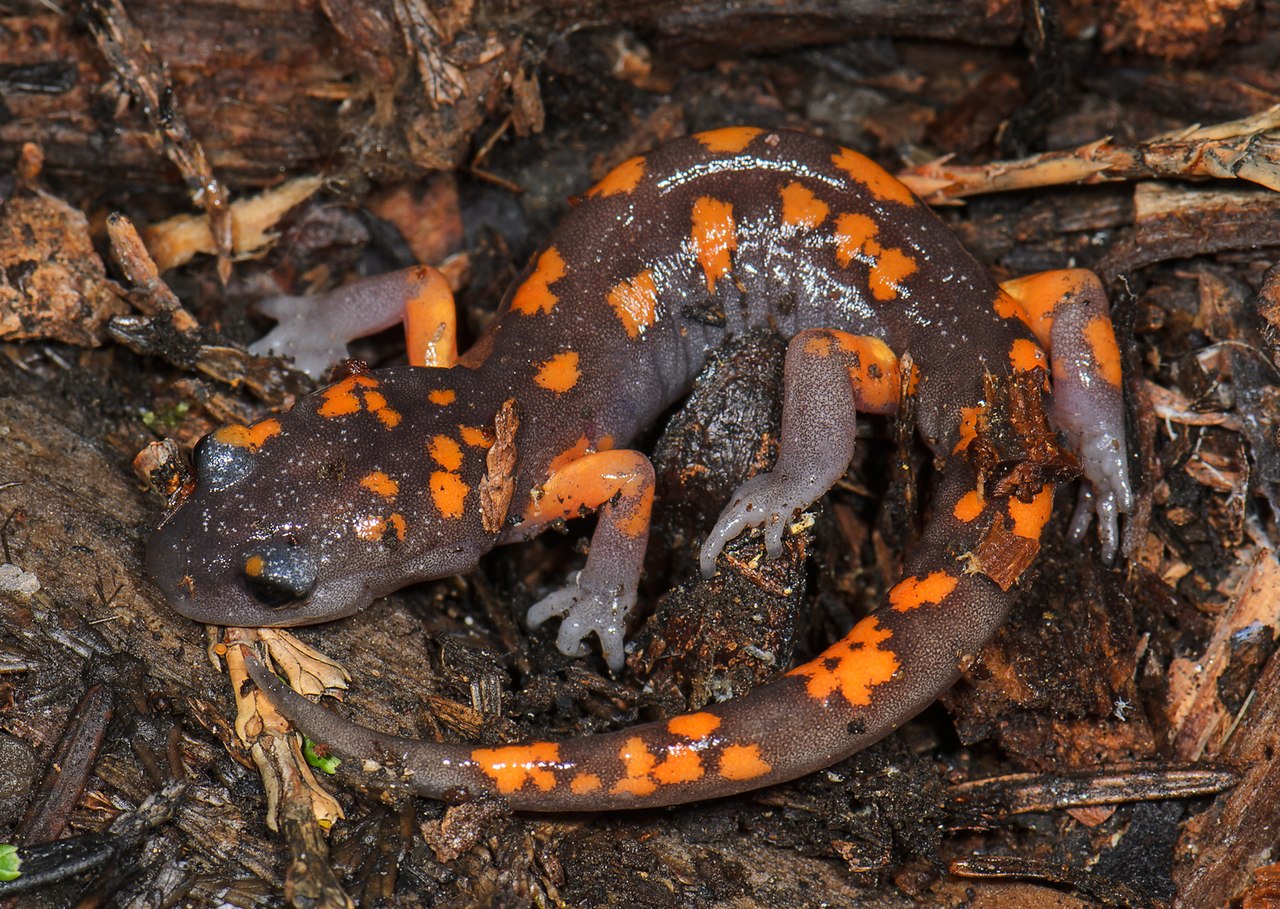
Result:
[{"x": 953, "y": 596}]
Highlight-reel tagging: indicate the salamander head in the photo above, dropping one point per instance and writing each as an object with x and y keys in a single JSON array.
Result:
[{"x": 309, "y": 516}]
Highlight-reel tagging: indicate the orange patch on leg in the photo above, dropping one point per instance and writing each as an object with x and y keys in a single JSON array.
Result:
[{"x": 1101, "y": 338}]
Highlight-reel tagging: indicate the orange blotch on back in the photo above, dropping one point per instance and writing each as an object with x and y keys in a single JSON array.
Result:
[
  {"x": 446, "y": 452},
  {"x": 476, "y": 436},
  {"x": 250, "y": 437},
  {"x": 729, "y": 140},
  {"x": 1029, "y": 518},
  {"x": 968, "y": 428},
  {"x": 379, "y": 483},
  {"x": 1101, "y": 338},
  {"x": 534, "y": 295},
  {"x": 694, "y": 726},
  {"x": 879, "y": 181},
  {"x": 853, "y": 235},
  {"x": 622, "y": 179},
  {"x": 968, "y": 507},
  {"x": 801, "y": 208},
  {"x": 442, "y": 396},
  {"x": 558, "y": 374},
  {"x": 742, "y": 762},
  {"x": 512, "y": 767},
  {"x": 635, "y": 303},
  {"x": 448, "y": 492},
  {"x": 892, "y": 267},
  {"x": 930, "y": 590},
  {"x": 714, "y": 237},
  {"x": 853, "y": 667}
]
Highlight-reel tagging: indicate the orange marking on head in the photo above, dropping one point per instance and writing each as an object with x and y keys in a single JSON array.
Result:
[
  {"x": 1026, "y": 355},
  {"x": 253, "y": 566},
  {"x": 370, "y": 528},
  {"x": 398, "y": 524},
  {"x": 854, "y": 666},
  {"x": 1101, "y": 338},
  {"x": 560, "y": 373},
  {"x": 714, "y": 238},
  {"x": 379, "y": 483},
  {"x": 968, "y": 507},
  {"x": 742, "y": 762},
  {"x": 250, "y": 437},
  {"x": 635, "y": 302},
  {"x": 446, "y": 452},
  {"x": 340, "y": 399},
  {"x": 1029, "y": 518},
  {"x": 534, "y": 295},
  {"x": 584, "y": 783},
  {"x": 442, "y": 396},
  {"x": 622, "y": 179},
  {"x": 801, "y": 208},
  {"x": 892, "y": 267},
  {"x": 693, "y": 726},
  {"x": 512, "y": 767},
  {"x": 930, "y": 590},
  {"x": 879, "y": 181},
  {"x": 728, "y": 141},
  {"x": 968, "y": 428},
  {"x": 449, "y": 493},
  {"x": 476, "y": 436}
]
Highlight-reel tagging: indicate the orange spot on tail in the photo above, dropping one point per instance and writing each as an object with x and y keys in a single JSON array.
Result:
[
  {"x": 912, "y": 593},
  {"x": 694, "y": 726},
  {"x": 742, "y": 762},
  {"x": 534, "y": 295},
  {"x": 558, "y": 374},
  {"x": 512, "y": 767},
  {"x": 853, "y": 667},
  {"x": 714, "y": 238},
  {"x": 1029, "y": 518}
]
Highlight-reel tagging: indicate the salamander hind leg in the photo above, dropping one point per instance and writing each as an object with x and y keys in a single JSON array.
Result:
[
  {"x": 1067, "y": 311},
  {"x": 601, "y": 599},
  {"x": 314, "y": 331},
  {"x": 828, "y": 377}
]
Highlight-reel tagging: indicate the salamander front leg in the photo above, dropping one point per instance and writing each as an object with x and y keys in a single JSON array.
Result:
[
  {"x": 1067, "y": 310},
  {"x": 314, "y": 331},
  {"x": 599, "y": 602},
  {"x": 828, "y": 377}
]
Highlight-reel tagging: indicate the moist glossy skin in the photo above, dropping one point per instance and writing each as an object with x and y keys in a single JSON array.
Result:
[{"x": 392, "y": 477}]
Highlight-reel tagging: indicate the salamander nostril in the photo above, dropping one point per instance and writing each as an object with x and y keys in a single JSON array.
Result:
[{"x": 279, "y": 575}]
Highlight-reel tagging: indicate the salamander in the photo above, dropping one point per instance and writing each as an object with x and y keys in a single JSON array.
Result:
[{"x": 398, "y": 475}]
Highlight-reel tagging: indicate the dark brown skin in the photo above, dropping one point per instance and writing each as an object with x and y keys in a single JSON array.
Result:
[{"x": 376, "y": 482}]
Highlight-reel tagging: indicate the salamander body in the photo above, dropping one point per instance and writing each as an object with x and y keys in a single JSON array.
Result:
[{"x": 389, "y": 477}]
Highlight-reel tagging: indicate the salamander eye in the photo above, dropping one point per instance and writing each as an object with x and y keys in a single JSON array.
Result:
[
  {"x": 220, "y": 464},
  {"x": 279, "y": 575}
]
